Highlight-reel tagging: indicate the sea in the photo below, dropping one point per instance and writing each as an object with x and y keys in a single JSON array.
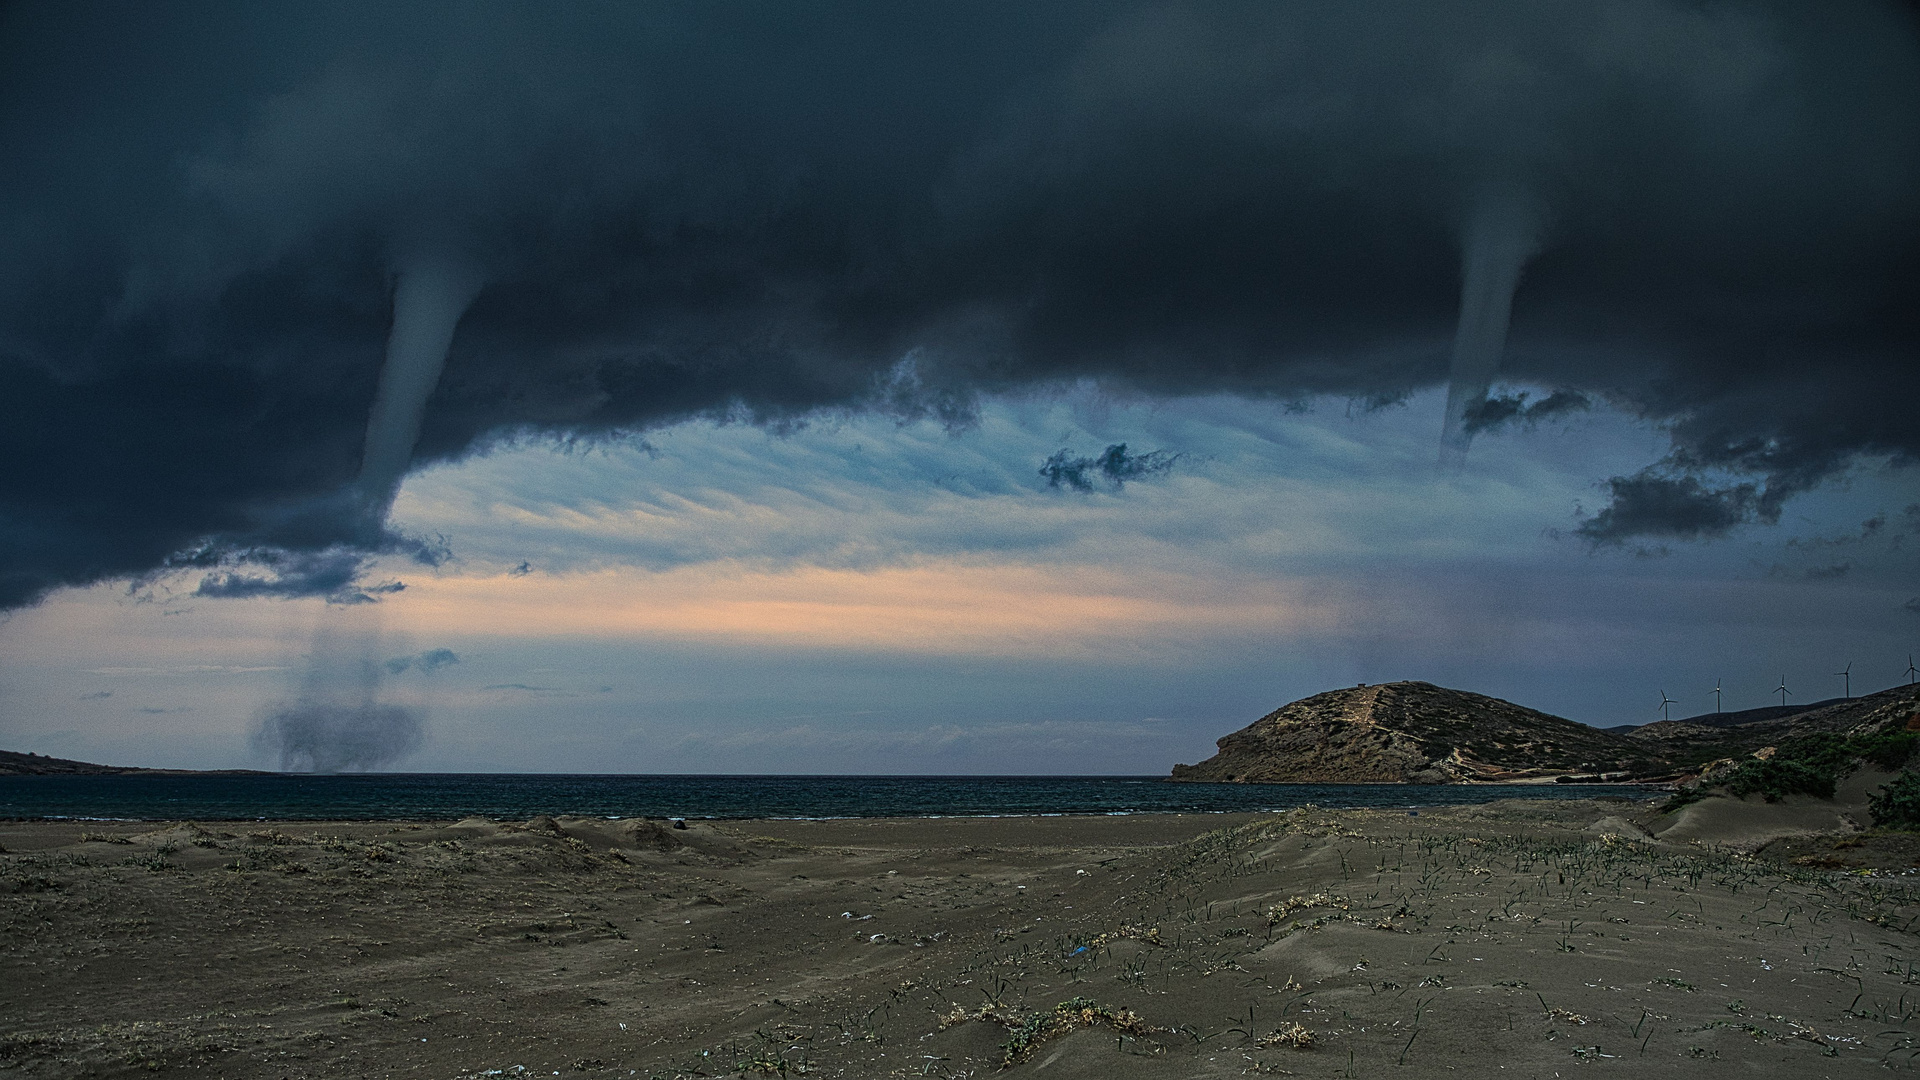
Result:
[{"x": 517, "y": 796}]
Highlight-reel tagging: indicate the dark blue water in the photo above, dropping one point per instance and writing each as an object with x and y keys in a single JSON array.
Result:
[{"x": 427, "y": 796}]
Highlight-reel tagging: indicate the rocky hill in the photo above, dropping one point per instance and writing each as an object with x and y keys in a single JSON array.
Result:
[
  {"x": 1416, "y": 733},
  {"x": 1419, "y": 733}
]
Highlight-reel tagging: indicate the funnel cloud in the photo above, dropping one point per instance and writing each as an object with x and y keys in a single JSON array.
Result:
[
  {"x": 1501, "y": 236},
  {"x": 429, "y": 296}
]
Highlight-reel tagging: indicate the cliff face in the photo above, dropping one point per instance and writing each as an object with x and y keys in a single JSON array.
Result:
[{"x": 1416, "y": 733}]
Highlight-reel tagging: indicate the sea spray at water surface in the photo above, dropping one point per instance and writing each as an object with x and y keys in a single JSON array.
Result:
[
  {"x": 340, "y": 736},
  {"x": 340, "y": 719}
]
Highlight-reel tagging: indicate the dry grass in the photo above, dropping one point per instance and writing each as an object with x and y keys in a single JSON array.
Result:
[
  {"x": 1294, "y": 1035},
  {"x": 1147, "y": 934},
  {"x": 1278, "y": 913}
]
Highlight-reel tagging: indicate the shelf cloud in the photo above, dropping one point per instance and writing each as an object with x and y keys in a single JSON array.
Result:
[{"x": 283, "y": 254}]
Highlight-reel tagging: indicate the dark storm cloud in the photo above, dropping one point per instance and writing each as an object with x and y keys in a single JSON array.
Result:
[
  {"x": 1669, "y": 507},
  {"x": 762, "y": 211}
]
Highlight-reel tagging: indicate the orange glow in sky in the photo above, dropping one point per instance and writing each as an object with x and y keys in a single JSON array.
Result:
[{"x": 934, "y": 607}]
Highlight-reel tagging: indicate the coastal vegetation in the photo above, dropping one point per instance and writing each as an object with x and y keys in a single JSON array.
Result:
[{"x": 1814, "y": 764}]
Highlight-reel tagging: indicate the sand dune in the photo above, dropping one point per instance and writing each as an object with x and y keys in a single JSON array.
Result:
[{"x": 1521, "y": 938}]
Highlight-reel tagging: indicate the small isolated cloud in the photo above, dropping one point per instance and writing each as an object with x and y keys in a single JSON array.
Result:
[
  {"x": 430, "y": 661},
  {"x": 334, "y": 573},
  {"x": 1114, "y": 465},
  {"x": 367, "y": 594},
  {"x": 1829, "y": 572},
  {"x": 1677, "y": 507},
  {"x": 1497, "y": 412}
]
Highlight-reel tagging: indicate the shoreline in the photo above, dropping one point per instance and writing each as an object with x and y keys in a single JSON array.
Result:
[{"x": 506, "y": 796}]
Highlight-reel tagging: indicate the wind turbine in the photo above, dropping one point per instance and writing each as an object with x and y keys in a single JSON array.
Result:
[
  {"x": 1664, "y": 702},
  {"x": 1847, "y": 674},
  {"x": 1782, "y": 691},
  {"x": 1911, "y": 671},
  {"x": 1716, "y": 696}
]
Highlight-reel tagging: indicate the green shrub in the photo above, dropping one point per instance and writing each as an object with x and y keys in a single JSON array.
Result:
[
  {"x": 1889, "y": 749},
  {"x": 1837, "y": 753},
  {"x": 1814, "y": 764},
  {"x": 1897, "y": 804},
  {"x": 1773, "y": 778}
]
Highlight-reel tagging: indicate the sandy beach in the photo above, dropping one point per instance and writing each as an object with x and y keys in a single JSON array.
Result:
[{"x": 1522, "y": 938}]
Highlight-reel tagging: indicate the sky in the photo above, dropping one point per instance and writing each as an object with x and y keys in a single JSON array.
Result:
[{"x": 992, "y": 388}]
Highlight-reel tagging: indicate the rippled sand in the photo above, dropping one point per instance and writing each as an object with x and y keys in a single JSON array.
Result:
[{"x": 1514, "y": 939}]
